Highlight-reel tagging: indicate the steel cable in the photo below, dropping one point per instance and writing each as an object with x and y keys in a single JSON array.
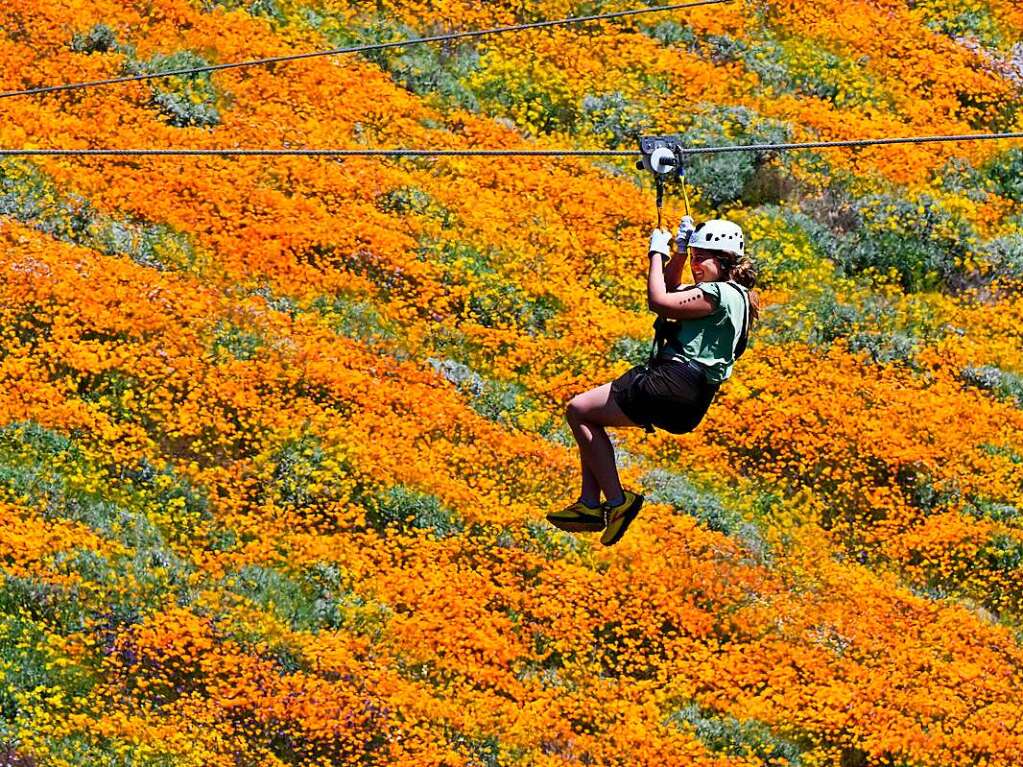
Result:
[
  {"x": 359, "y": 48},
  {"x": 398, "y": 152}
]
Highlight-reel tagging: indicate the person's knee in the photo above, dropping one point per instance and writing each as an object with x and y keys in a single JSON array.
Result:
[{"x": 575, "y": 411}]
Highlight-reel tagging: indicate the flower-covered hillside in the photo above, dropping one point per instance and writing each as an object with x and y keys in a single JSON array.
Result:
[{"x": 278, "y": 435}]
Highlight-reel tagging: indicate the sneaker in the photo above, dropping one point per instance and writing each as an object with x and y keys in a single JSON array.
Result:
[
  {"x": 620, "y": 517},
  {"x": 578, "y": 518}
]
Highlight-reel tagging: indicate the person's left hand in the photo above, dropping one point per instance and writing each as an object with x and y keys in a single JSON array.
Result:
[
  {"x": 660, "y": 242},
  {"x": 685, "y": 231}
]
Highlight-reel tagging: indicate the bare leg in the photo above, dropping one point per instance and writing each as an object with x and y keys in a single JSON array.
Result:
[
  {"x": 587, "y": 415},
  {"x": 590, "y": 494}
]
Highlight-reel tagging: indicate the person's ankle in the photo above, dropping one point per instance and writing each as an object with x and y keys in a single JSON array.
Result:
[
  {"x": 590, "y": 504},
  {"x": 616, "y": 502}
]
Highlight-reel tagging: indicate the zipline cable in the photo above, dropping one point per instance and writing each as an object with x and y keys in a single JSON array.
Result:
[
  {"x": 361, "y": 48},
  {"x": 853, "y": 143}
]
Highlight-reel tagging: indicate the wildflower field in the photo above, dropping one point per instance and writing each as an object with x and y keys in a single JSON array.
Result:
[{"x": 278, "y": 435}]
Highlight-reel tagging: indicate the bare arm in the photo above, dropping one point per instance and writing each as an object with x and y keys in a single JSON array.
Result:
[{"x": 688, "y": 303}]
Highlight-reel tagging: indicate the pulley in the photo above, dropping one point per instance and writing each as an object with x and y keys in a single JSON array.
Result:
[{"x": 663, "y": 156}]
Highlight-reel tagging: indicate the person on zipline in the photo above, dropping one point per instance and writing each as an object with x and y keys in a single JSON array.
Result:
[{"x": 699, "y": 332}]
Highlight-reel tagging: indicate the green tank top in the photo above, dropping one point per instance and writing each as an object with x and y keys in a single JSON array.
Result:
[{"x": 710, "y": 341}]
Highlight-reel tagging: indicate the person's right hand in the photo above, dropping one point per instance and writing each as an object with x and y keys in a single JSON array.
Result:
[
  {"x": 685, "y": 230},
  {"x": 659, "y": 242}
]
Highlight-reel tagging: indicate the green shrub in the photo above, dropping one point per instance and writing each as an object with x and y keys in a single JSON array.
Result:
[
  {"x": 1005, "y": 171},
  {"x": 884, "y": 347},
  {"x": 919, "y": 241},
  {"x": 303, "y": 603},
  {"x": 498, "y": 401},
  {"x": 634, "y": 350},
  {"x": 551, "y": 543},
  {"x": 408, "y": 510},
  {"x": 729, "y": 736},
  {"x": 35, "y": 464},
  {"x": 99, "y": 39},
  {"x": 1005, "y": 257},
  {"x": 436, "y": 72},
  {"x": 301, "y": 462},
  {"x": 996, "y": 511},
  {"x": 404, "y": 200},
  {"x": 999, "y": 382},
  {"x": 233, "y": 342},
  {"x": 684, "y": 497},
  {"x": 270, "y": 9},
  {"x": 509, "y": 304},
  {"x": 147, "y": 477},
  {"x": 185, "y": 100},
  {"x": 480, "y": 751},
  {"x": 359, "y": 320},
  {"x": 671, "y": 33},
  {"x": 975, "y": 22},
  {"x": 729, "y": 177},
  {"x": 282, "y": 303},
  {"x": 155, "y": 246},
  {"x": 778, "y": 264},
  {"x": 31, "y": 197},
  {"x": 615, "y": 119}
]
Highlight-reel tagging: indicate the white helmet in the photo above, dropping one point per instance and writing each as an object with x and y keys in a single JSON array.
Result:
[{"x": 718, "y": 234}]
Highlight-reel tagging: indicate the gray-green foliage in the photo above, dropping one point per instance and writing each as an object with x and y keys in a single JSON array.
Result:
[
  {"x": 1005, "y": 171},
  {"x": 508, "y": 304},
  {"x": 481, "y": 751},
  {"x": 920, "y": 241},
  {"x": 316, "y": 599},
  {"x": 165, "y": 486},
  {"x": 29, "y": 196},
  {"x": 614, "y": 118},
  {"x": 1005, "y": 257},
  {"x": 185, "y": 100},
  {"x": 232, "y": 342},
  {"x": 634, "y": 350},
  {"x": 668, "y": 32},
  {"x": 500, "y": 302},
  {"x": 997, "y": 511},
  {"x": 775, "y": 266},
  {"x": 663, "y": 486},
  {"x": 499, "y": 401},
  {"x": 100, "y": 39},
  {"x": 976, "y": 22},
  {"x": 725, "y": 178},
  {"x": 730, "y": 736},
  {"x": 435, "y": 72},
  {"x": 279, "y": 303},
  {"x": 407, "y": 510},
  {"x": 156, "y": 246},
  {"x": 32, "y": 198},
  {"x": 35, "y": 464},
  {"x": 552, "y": 543},
  {"x": 299, "y": 464},
  {"x": 27, "y": 606},
  {"x": 270, "y": 9},
  {"x": 999, "y": 382},
  {"x": 359, "y": 319}
]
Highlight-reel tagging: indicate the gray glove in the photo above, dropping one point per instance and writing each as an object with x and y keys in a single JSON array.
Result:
[{"x": 685, "y": 230}]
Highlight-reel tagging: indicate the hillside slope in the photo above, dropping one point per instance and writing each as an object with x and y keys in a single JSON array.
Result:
[{"x": 277, "y": 436}]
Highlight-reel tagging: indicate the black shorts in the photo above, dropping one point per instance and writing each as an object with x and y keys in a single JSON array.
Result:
[{"x": 673, "y": 396}]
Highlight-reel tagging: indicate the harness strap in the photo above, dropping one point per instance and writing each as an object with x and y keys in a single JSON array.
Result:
[
  {"x": 743, "y": 339},
  {"x": 662, "y": 328}
]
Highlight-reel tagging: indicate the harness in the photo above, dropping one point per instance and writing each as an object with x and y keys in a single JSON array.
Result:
[{"x": 664, "y": 329}]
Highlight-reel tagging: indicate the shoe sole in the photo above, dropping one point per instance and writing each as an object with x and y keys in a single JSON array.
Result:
[
  {"x": 577, "y": 527},
  {"x": 630, "y": 514}
]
